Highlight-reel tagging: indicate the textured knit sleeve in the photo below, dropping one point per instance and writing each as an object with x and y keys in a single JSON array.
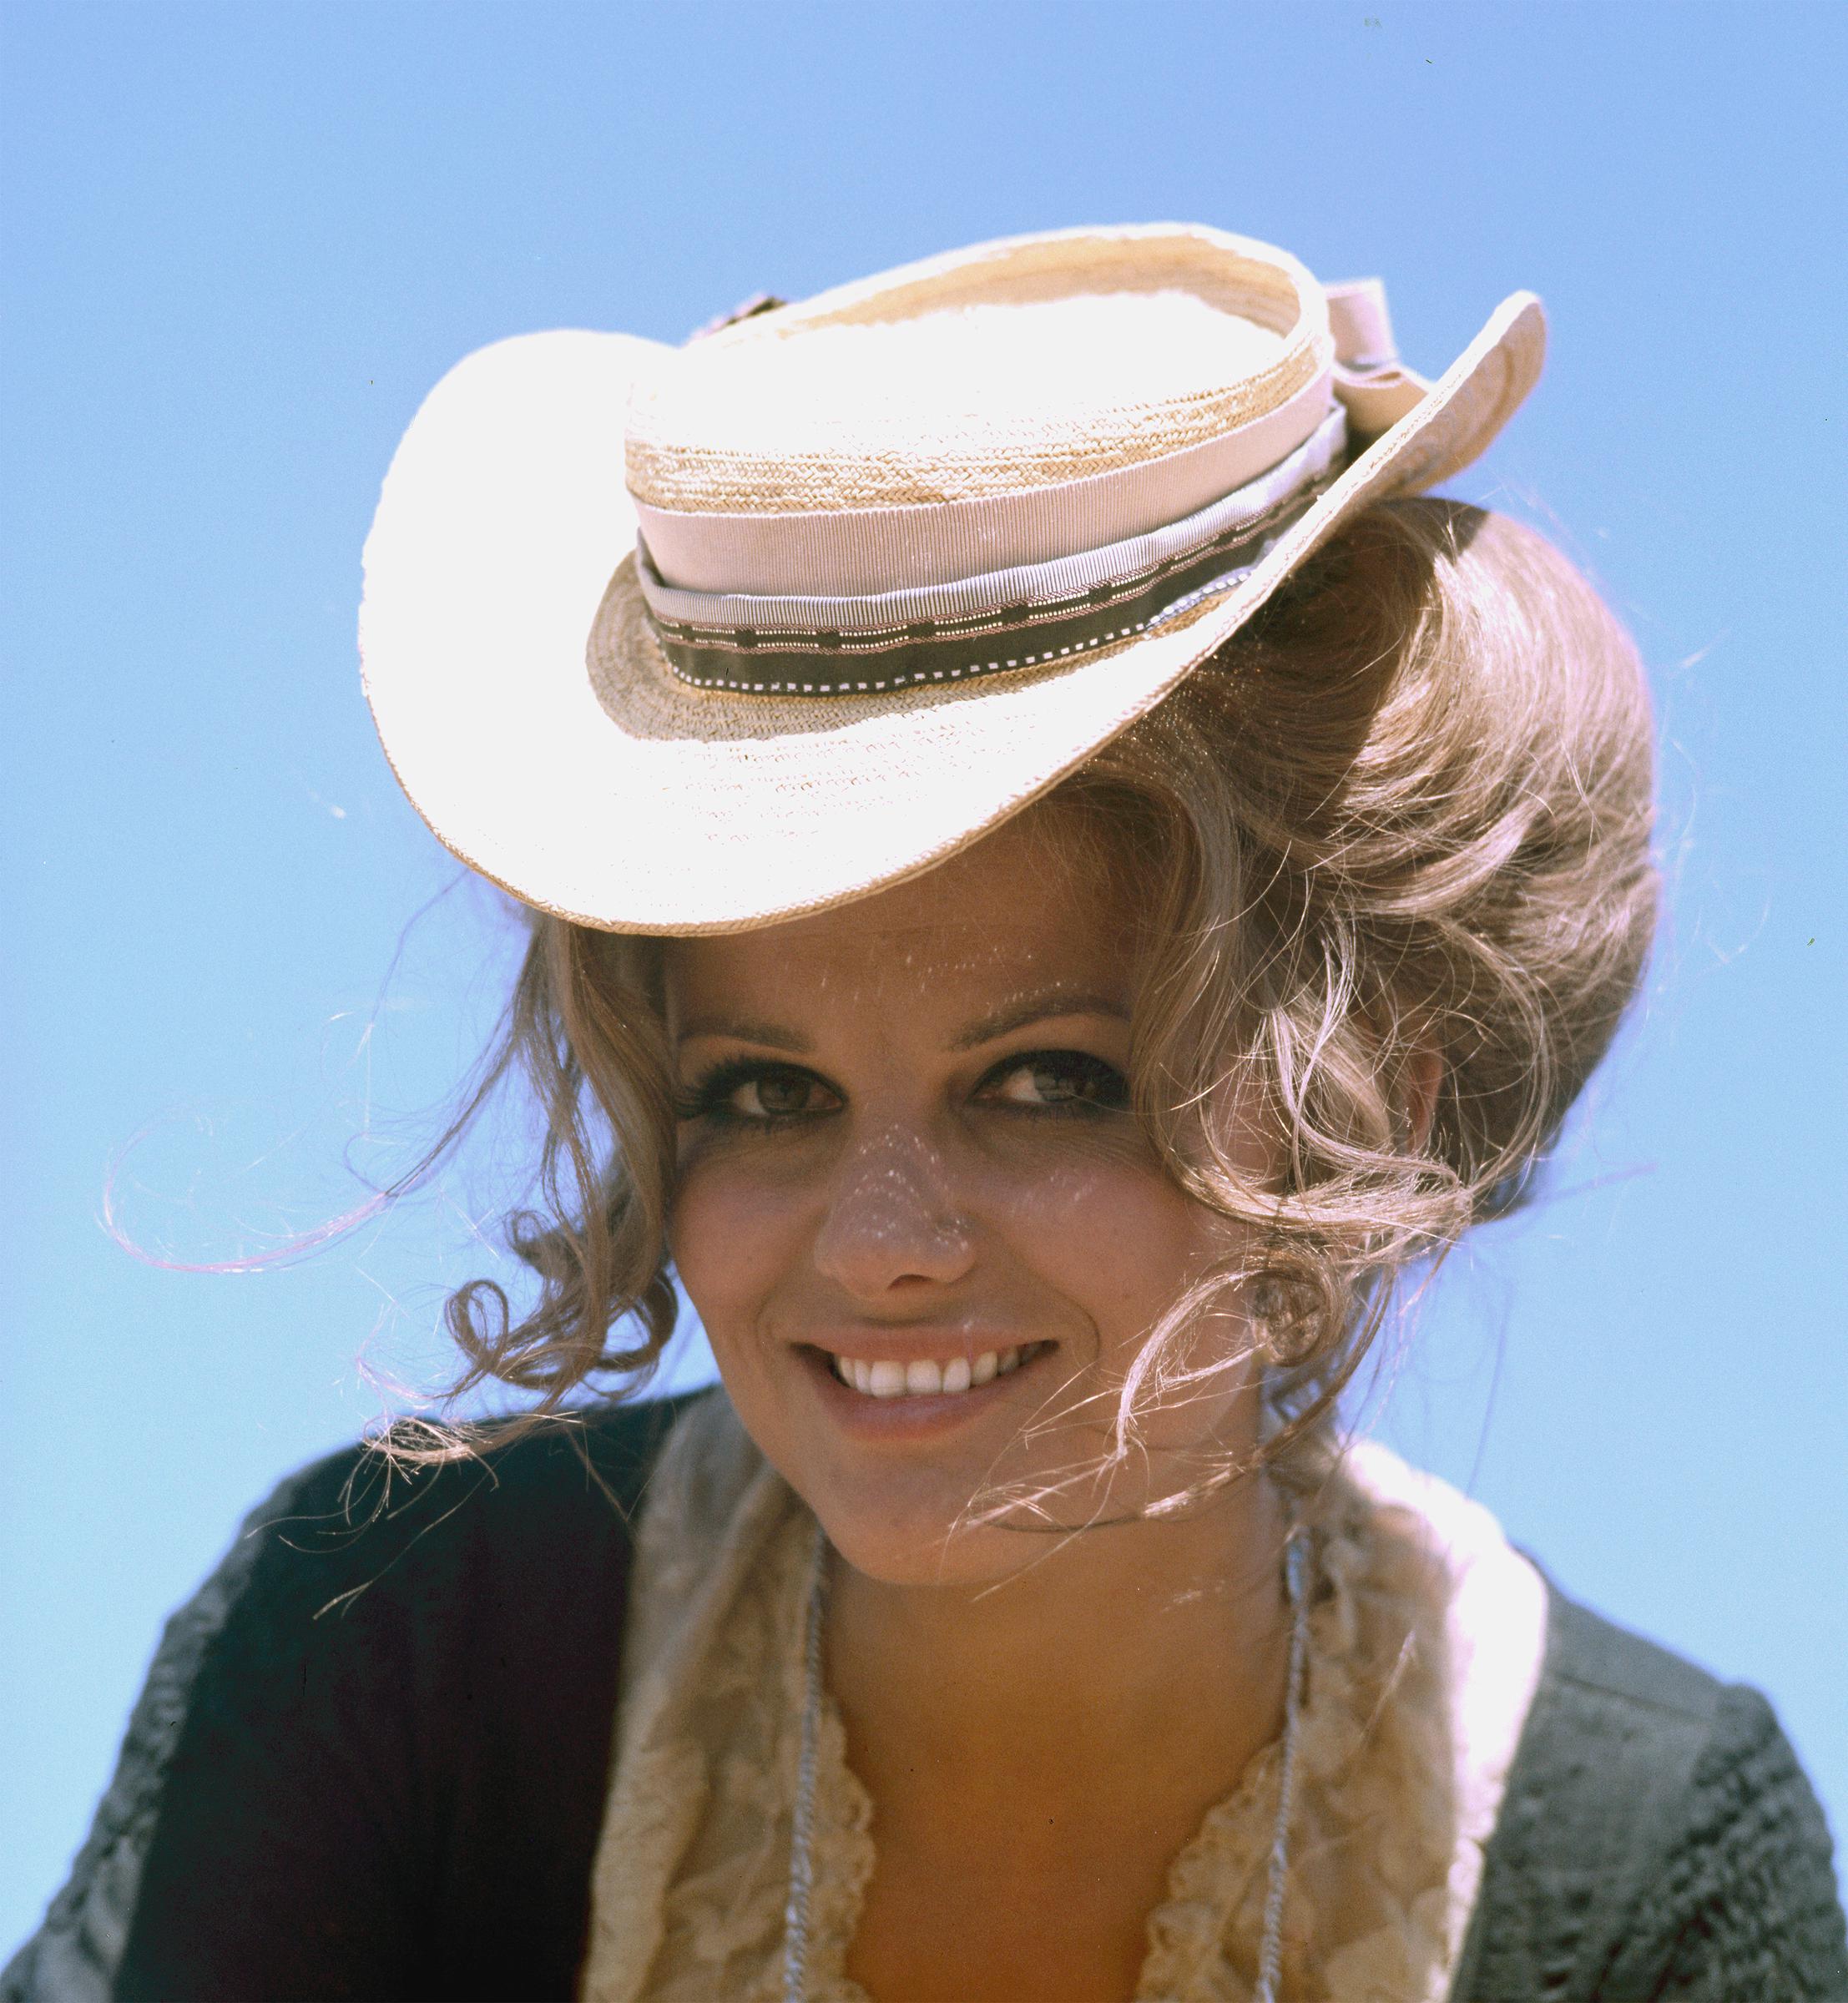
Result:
[
  {"x": 1750, "y": 1879},
  {"x": 372, "y": 1752},
  {"x": 1657, "y": 1840},
  {"x": 232, "y": 1720},
  {"x": 73, "y": 1956}
]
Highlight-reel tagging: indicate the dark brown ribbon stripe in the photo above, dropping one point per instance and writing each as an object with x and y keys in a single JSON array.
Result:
[{"x": 935, "y": 650}]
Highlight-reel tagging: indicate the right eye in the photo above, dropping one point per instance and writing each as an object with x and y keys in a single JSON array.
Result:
[
  {"x": 750, "y": 1094},
  {"x": 772, "y": 1095}
]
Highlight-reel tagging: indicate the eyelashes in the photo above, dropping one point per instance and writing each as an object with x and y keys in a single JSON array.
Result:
[
  {"x": 753, "y": 1092},
  {"x": 761, "y": 1094},
  {"x": 1058, "y": 1082}
]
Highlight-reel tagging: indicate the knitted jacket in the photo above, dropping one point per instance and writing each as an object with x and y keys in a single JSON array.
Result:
[{"x": 372, "y": 1757}]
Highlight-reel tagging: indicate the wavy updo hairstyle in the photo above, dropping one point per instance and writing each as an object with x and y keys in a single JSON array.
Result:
[{"x": 1404, "y": 814}]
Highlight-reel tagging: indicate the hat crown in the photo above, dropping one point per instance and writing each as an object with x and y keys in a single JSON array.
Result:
[
  {"x": 745, "y": 716},
  {"x": 997, "y": 369}
]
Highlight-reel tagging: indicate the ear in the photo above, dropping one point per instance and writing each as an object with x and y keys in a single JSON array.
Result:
[{"x": 1418, "y": 1088}]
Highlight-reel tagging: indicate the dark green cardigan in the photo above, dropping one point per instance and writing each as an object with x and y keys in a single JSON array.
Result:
[{"x": 372, "y": 1757}]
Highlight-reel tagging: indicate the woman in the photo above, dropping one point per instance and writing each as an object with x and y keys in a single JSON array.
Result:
[{"x": 1061, "y": 881}]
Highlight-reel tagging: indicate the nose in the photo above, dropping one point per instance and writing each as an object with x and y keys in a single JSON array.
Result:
[{"x": 892, "y": 1223}]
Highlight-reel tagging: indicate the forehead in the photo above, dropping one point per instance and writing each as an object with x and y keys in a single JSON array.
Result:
[{"x": 1038, "y": 903}]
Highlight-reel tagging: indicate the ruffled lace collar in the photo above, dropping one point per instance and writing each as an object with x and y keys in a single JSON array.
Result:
[{"x": 1425, "y": 1645}]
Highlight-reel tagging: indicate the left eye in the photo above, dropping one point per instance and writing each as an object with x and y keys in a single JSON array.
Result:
[{"x": 1056, "y": 1079}]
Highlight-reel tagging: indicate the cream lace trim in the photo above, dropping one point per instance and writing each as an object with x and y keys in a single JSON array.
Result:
[{"x": 1424, "y": 1648}]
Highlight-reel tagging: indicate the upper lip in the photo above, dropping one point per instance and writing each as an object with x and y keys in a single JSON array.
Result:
[{"x": 917, "y": 1345}]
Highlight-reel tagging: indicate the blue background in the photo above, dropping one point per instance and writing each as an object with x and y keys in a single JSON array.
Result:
[{"x": 241, "y": 242}]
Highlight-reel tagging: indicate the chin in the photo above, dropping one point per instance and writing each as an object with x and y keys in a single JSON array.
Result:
[
  {"x": 909, "y": 1527},
  {"x": 901, "y": 1476},
  {"x": 968, "y": 1526},
  {"x": 926, "y": 1547}
]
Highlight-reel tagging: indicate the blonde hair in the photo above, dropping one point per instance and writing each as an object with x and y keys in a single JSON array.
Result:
[{"x": 1404, "y": 814}]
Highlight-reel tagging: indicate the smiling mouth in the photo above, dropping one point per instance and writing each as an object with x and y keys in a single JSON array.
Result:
[{"x": 883, "y": 1378}]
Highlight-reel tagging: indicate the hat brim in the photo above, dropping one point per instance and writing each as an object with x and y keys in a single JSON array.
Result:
[{"x": 587, "y": 780}]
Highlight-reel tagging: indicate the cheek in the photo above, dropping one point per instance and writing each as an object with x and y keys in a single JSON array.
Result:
[
  {"x": 734, "y": 1234},
  {"x": 1111, "y": 1233}
]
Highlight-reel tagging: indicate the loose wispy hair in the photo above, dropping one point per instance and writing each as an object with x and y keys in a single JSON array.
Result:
[{"x": 1404, "y": 814}]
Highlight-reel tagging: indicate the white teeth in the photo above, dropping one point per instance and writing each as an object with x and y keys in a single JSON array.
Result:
[{"x": 926, "y": 1379}]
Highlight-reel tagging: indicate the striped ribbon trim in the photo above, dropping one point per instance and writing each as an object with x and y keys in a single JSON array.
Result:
[{"x": 1018, "y": 618}]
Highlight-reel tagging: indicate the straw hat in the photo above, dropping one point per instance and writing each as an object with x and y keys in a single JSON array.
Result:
[{"x": 885, "y": 565}]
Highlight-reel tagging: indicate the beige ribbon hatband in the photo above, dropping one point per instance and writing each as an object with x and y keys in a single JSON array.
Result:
[
  {"x": 1020, "y": 618},
  {"x": 857, "y": 551},
  {"x": 901, "y": 595}
]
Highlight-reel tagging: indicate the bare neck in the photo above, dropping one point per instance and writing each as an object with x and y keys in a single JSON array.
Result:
[{"x": 1128, "y": 1662}]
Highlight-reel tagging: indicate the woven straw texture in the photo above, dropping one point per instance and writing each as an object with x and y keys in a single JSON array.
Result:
[
  {"x": 1013, "y": 365},
  {"x": 626, "y": 798}
]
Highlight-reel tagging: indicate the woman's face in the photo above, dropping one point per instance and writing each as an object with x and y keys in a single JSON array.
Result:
[{"x": 924, "y": 1233}]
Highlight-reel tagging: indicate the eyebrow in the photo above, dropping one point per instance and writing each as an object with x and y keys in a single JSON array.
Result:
[
  {"x": 1038, "y": 1007},
  {"x": 772, "y": 1035},
  {"x": 1041, "y": 1007}
]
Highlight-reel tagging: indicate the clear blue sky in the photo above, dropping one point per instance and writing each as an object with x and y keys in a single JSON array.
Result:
[{"x": 239, "y": 243}]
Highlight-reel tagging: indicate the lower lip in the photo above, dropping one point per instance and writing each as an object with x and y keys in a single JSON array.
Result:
[{"x": 911, "y": 1418}]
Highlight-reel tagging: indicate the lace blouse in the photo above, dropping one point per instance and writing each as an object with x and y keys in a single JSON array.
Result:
[
  {"x": 1425, "y": 1643},
  {"x": 405, "y": 1798}
]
